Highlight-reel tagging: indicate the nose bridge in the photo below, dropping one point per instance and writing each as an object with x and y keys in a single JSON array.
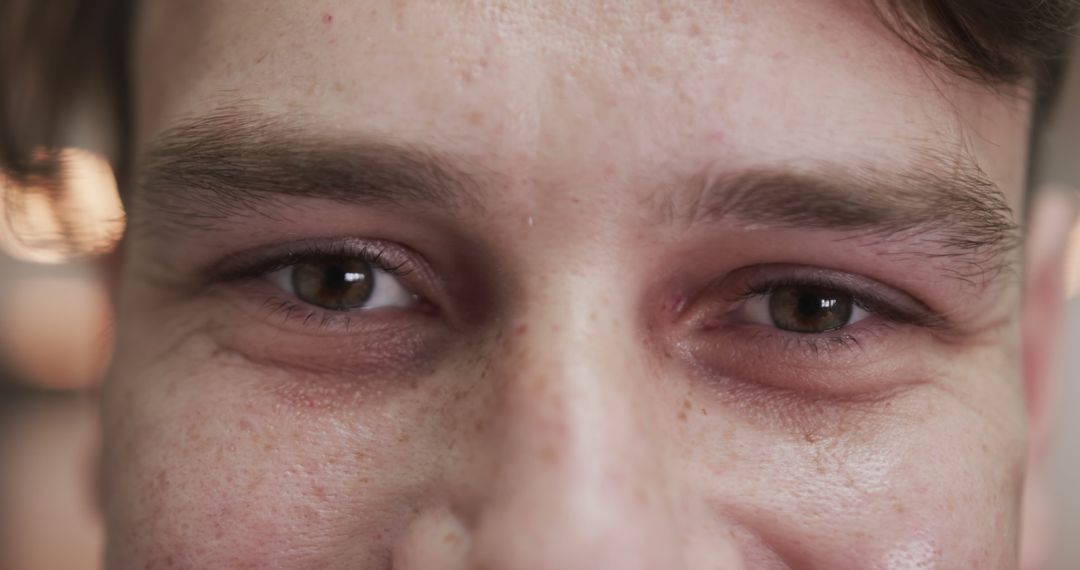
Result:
[
  {"x": 579, "y": 482},
  {"x": 571, "y": 395}
]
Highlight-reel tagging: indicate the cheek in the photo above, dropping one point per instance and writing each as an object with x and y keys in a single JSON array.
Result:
[
  {"x": 933, "y": 484},
  {"x": 209, "y": 466}
]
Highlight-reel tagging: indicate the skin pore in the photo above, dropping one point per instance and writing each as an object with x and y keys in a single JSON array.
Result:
[{"x": 578, "y": 213}]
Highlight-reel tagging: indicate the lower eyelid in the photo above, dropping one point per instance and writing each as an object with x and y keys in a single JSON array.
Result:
[{"x": 840, "y": 364}]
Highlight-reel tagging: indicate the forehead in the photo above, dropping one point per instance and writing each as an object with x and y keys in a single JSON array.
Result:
[{"x": 585, "y": 91}]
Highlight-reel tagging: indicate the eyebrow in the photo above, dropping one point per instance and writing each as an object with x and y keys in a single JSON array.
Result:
[
  {"x": 941, "y": 208},
  {"x": 237, "y": 162}
]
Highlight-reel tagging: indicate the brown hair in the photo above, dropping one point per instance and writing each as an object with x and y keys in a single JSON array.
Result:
[{"x": 52, "y": 51}]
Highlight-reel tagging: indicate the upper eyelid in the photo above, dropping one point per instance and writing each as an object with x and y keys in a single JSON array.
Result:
[{"x": 260, "y": 262}]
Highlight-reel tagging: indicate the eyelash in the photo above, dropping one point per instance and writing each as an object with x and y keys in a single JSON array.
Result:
[
  {"x": 279, "y": 304},
  {"x": 885, "y": 315},
  {"x": 865, "y": 300},
  {"x": 366, "y": 252}
]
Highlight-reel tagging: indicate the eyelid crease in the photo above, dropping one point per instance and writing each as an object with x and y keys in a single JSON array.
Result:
[{"x": 245, "y": 266}]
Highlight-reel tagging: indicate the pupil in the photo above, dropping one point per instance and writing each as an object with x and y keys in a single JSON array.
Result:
[
  {"x": 338, "y": 278},
  {"x": 334, "y": 283},
  {"x": 811, "y": 304},
  {"x": 809, "y": 309},
  {"x": 335, "y": 279}
]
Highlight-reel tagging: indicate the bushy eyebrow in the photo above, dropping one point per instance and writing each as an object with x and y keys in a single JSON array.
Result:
[
  {"x": 941, "y": 208},
  {"x": 237, "y": 162}
]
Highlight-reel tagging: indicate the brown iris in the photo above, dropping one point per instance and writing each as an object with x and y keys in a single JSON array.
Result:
[
  {"x": 809, "y": 309},
  {"x": 335, "y": 283}
]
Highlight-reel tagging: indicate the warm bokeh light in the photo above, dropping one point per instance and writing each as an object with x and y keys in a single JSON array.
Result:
[
  {"x": 82, "y": 217},
  {"x": 55, "y": 331}
]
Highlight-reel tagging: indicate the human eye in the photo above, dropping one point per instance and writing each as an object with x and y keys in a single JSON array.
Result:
[
  {"x": 343, "y": 282},
  {"x": 328, "y": 287},
  {"x": 806, "y": 329},
  {"x": 804, "y": 308},
  {"x": 807, "y": 303}
]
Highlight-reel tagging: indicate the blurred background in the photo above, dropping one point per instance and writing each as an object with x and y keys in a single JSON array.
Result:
[{"x": 55, "y": 339}]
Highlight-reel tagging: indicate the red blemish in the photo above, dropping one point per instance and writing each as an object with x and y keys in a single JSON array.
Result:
[
  {"x": 677, "y": 303},
  {"x": 328, "y": 19},
  {"x": 521, "y": 329}
]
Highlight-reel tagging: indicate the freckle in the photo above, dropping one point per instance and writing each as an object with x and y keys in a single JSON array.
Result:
[
  {"x": 811, "y": 437},
  {"x": 704, "y": 412},
  {"x": 479, "y": 425},
  {"x": 359, "y": 456},
  {"x": 682, "y": 415},
  {"x": 687, "y": 404},
  {"x": 404, "y": 438},
  {"x": 339, "y": 86},
  {"x": 549, "y": 454},
  {"x": 642, "y": 497},
  {"x": 474, "y": 118},
  {"x": 452, "y": 538}
]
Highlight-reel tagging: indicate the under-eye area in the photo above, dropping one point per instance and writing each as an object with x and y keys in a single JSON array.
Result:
[{"x": 815, "y": 331}]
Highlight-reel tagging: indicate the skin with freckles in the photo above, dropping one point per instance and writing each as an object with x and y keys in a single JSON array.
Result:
[{"x": 573, "y": 355}]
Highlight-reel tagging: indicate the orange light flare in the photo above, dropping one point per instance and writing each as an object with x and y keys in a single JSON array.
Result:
[
  {"x": 81, "y": 216},
  {"x": 55, "y": 317}
]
